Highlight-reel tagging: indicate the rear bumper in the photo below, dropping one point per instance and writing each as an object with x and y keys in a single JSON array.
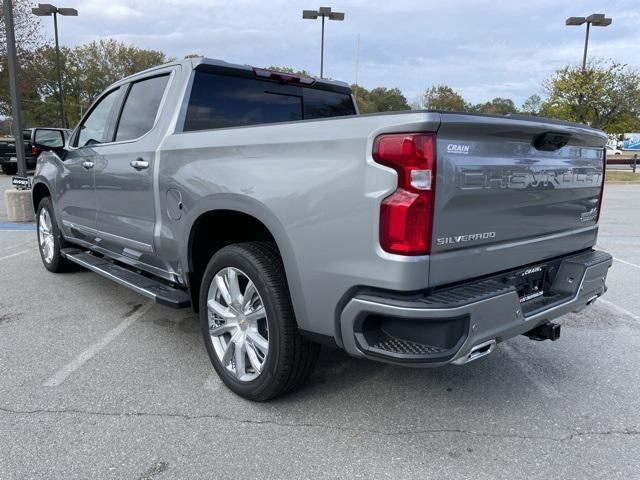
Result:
[{"x": 450, "y": 325}]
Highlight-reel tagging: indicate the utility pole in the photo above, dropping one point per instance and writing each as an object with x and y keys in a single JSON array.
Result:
[
  {"x": 17, "y": 200},
  {"x": 355, "y": 94},
  {"x": 13, "y": 86}
]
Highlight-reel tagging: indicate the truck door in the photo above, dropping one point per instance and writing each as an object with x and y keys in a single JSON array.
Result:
[
  {"x": 76, "y": 196},
  {"x": 124, "y": 171}
]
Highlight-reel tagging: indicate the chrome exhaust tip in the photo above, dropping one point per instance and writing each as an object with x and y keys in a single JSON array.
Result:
[{"x": 477, "y": 352}]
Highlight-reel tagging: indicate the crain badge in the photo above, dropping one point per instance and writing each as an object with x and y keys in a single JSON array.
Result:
[
  {"x": 457, "y": 148},
  {"x": 529, "y": 271},
  {"x": 465, "y": 238}
]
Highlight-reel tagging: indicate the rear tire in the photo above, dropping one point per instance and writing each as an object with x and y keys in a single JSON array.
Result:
[
  {"x": 9, "y": 168},
  {"x": 245, "y": 307},
  {"x": 50, "y": 241}
]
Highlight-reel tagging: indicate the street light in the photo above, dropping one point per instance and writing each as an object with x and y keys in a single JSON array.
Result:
[
  {"x": 46, "y": 10},
  {"x": 324, "y": 12},
  {"x": 595, "y": 19},
  {"x": 12, "y": 58}
]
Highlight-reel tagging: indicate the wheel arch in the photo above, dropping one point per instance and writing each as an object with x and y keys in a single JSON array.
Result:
[
  {"x": 243, "y": 220},
  {"x": 39, "y": 191}
]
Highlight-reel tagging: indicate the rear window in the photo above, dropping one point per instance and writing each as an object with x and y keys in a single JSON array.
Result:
[
  {"x": 219, "y": 101},
  {"x": 322, "y": 104}
]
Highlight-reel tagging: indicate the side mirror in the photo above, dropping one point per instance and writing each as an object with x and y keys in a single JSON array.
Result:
[{"x": 48, "y": 139}]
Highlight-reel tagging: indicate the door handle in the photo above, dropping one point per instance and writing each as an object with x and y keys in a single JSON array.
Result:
[
  {"x": 139, "y": 164},
  {"x": 87, "y": 164}
]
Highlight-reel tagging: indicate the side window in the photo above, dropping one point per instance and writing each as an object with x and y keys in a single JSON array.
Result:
[
  {"x": 219, "y": 101},
  {"x": 94, "y": 129},
  {"x": 141, "y": 107}
]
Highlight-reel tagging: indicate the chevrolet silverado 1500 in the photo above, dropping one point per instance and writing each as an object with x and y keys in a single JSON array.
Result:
[{"x": 265, "y": 202}]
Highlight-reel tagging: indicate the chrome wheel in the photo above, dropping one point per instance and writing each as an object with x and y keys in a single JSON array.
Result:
[
  {"x": 238, "y": 324},
  {"x": 45, "y": 235}
]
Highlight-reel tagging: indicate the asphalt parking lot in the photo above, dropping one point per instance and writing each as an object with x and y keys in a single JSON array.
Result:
[{"x": 97, "y": 382}]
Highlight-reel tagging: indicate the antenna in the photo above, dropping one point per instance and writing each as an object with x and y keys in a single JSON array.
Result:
[{"x": 355, "y": 95}]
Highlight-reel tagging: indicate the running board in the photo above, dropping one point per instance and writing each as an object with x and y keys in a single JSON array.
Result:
[{"x": 159, "y": 292}]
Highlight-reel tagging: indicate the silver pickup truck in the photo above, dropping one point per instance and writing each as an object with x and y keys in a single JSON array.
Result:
[{"x": 287, "y": 220}]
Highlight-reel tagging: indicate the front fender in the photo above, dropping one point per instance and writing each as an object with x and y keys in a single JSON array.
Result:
[{"x": 46, "y": 174}]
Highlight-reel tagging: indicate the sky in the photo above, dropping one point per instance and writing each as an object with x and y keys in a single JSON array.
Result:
[{"x": 483, "y": 49}]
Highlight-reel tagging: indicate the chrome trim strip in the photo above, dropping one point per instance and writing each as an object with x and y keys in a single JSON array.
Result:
[
  {"x": 553, "y": 236},
  {"x": 127, "y": 242},
  {"x": 80, "y": 228}
]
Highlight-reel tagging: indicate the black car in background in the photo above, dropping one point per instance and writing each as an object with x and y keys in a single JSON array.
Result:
[{"x": 8, "y": 159}]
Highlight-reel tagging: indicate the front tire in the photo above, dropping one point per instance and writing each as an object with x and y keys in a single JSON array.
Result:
[
  {"x": 50, "y": 240},
  {"x": 248, "y": 324}
]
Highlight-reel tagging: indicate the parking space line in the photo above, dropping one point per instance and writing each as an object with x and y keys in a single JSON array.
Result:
[
  {"x": 64, "y": 373},
  {"x": 619, "y": 309},
  {"x": 11, "y": 247},
  {"x": 626, "y": 263},
  {"x": 15, "y": 254},
  {"x": 17, "y": 227},
  {"x": 535, "y": 377}
]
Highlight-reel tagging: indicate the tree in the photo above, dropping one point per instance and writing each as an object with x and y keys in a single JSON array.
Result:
[
  {"x": 26, "y": 28},
  {"x": 606, "y": 96},
  {"x": 532, "y": 105},
  {"x": 443, "y": 97},
  {"x": 379, "y": 99},
  {"x": 497, "y": 106},
  {"x": 361, "y": 95},
  {"x": 29, "y": 39},
  {"x": 388, "y": 99},
  {"x": 88, "y": 70},
  {"x": 292, "y": 71}
]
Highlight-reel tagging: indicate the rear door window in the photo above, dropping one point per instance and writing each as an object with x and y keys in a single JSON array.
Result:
[{"x": 141, "y": 107}]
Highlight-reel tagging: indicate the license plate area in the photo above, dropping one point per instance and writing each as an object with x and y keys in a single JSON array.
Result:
[{"x": 532, "y": 282}]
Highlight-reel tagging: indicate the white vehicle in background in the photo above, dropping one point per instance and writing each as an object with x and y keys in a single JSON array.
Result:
[{"x": 613, "y": 150}]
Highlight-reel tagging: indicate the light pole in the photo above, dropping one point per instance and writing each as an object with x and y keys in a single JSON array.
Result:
[
  {"x": 46, "y": 10},
  {"x": 13, "y": 86},
  {"x": 595, "y": 19},
  {"x": 324, "y": 12}
]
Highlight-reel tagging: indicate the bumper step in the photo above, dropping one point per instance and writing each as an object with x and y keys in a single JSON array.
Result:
[
  {"x": 161, "y": 293},
  {"x": 464, "y": 322},
  {"x": 405, "y": 347}
]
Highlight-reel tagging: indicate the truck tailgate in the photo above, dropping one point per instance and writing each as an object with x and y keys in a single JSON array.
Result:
[{"x": 508, "y": 193}]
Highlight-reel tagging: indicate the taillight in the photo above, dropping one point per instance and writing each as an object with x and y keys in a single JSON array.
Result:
[
  {"x": 604, "y": 170},
  {"x": 406, "y": 216},
  {"x": 35, "y": 150}
]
